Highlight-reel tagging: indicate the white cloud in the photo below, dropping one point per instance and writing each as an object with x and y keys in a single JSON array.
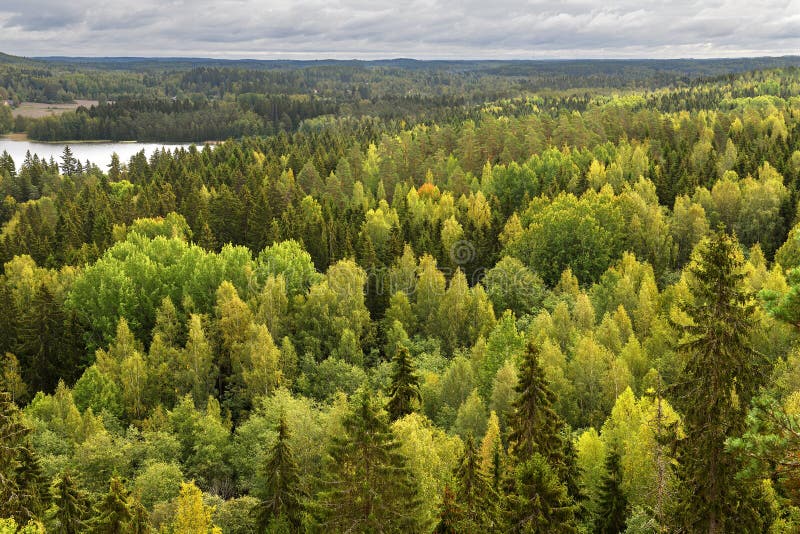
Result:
[{"x": 417, "y": 28}]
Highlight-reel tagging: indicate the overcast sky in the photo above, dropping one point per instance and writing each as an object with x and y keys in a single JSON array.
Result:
[{"x": 425, "y": 29}]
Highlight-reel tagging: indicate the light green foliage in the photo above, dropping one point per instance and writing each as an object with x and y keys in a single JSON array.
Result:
[
  {"x": 133, "y": 277},
  {"x": 171, "y": 226},
  {"x": 504, "y": 343},
  {"x": 591, "y": 453},
  {"x": 157, "y": 482},
  {"x": 431, "y": 455},
  {"x": 598, "y": 377},
  {"x": 471, "y": 418},
  {"x": 583, "y": 234},
  {"x": 288, "y": 258},
  {"x": 254, "y": 437},
  {"x": 203, "y": 437},
  {"x": 512, "y": 286},
  {"x": 403, "y": 337}
]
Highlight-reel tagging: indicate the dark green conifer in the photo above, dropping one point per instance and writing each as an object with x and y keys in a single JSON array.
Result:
[
  {"x": 537, "y": 496},
  {"x": 113, "y": 513},
  {"x": 538, "y": 500},
  {"x": 31, "y": 483},
  {"x": 474, "y": 494},
  {"x": 369, "y": 487},
  {"x": 450, "y": 515},
  {"x": 15, "y": 493},
  {"x": 404, "y": 394},
  {"x": 721, "y": 374},
  {"x": 69, "y": 508},
  {"x": 535, "y": 426},
  {"x": 283, "y": 497},
  {"x": 613, "y": 506}
]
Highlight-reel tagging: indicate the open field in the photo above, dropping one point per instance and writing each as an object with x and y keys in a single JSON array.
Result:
[{"x": 35, "y": 110}]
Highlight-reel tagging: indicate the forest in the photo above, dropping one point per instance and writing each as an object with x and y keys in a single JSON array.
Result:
[
  {"x": 550, "y": 301},
  {"x": 199, "y": 100}
]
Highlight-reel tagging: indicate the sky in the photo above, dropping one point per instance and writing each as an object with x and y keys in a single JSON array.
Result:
[{"x": 423, "y": 29}]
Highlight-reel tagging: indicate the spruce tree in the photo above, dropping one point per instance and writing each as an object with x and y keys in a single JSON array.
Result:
[
  {"x": 719, "y": 378},
  {"x": 538, "y": 499},
  {"x": 450, "y": 515},
  {"x": 140, "y": 519},
  {"x": 68, "y": 162},
  {"x": 537, "y": 496},
  {"x": 15, "y": 493},
  {"x": 474, "y": 494},
  {"x": 613, "y": 506},
  {"x": 43, "y": 352},
  {"x": 283, "y": 497},
  {"x": 368, "y": 486},
  {"x": 31, "y": 483},
  {"x": 535, "y": 426},
  {"x": 69, "y": 508},
  {"x": 113, "y": 513},
  {"x": 404, "y": 394}
]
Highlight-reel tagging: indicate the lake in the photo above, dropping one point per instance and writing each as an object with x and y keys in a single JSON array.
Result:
[{"x": 97, "y": 153}]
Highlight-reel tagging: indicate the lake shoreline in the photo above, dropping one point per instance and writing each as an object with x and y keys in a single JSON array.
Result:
[
  {"x": 97, "y": 152},
  {"x": 23, "y": 137}
]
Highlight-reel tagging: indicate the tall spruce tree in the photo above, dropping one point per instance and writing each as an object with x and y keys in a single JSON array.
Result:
[
  {"x": 537, "y": 496},
  {"x": 538, "y": 500},
  {"x": 140, "y": 518},
  {"x": 113, "y": 513},
  {"x": 32, "y": 483},
  {"x": 283, "y": 498},
  {"x": 535, "y": 426},
  {"x": 613, "y": 506},
  {"x": 69, "y": 164},
  {"x": 18, "y": 492},
  {"x": 475, "y": 497},
  {"x": 368, "y": 486},
  {"x": 450, "y": 514},
  {"x": 719, "y": 378},
  {"x": 69, "y": 505},
  {"x": 404, "y": 394}
]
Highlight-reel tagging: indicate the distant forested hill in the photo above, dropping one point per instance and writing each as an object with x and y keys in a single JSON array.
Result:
[{"x": 233, "y": 98}]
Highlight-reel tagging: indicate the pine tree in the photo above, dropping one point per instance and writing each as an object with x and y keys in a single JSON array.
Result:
[
  {"x": 283, "y": 497},
  {"x": 113, "y": 513},
  {"x": 369, "y": 488},
  {"x": 612, "y": 509},
  {"x": 721, "y": 374},
  {"x": 69, "y": 506},
  {"x": 404, "y": 394}
]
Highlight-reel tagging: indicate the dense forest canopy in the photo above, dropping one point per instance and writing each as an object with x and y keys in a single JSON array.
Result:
[
  {"x": 440, "y": 297},
  {"x": 203, "y": 99}
]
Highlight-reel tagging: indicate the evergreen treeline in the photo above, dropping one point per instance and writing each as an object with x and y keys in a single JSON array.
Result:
[{"x": 563, "y": 315}]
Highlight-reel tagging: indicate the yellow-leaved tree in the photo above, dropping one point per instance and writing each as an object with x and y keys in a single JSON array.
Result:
[{"x": 192, "y": 515}]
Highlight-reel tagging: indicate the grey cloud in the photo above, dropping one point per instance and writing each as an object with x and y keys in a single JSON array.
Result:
[{"x": 417, "y": 28}]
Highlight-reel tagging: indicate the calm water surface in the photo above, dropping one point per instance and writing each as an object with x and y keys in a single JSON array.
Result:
[{"x": 97, "y": 153}]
